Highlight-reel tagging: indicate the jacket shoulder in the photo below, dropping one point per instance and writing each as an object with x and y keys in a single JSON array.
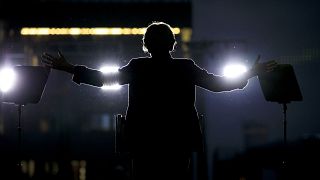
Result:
[
  {"x": 139, "y": 59},
  {"x": 184, "y": 61}
]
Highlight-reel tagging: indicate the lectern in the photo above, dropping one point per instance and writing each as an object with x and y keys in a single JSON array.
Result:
[
  {"x": 28, "y": 89},
  {"x": 281, "y": 86}
]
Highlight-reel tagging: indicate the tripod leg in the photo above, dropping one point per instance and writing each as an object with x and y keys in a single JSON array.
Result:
[
  {"x": 284, "y": 160},
  {"x": 284, "y": 123},
  {"x": 19, "y": 140}
]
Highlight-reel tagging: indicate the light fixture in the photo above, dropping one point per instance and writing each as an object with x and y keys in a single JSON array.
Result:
[{"x": 100, "y": 31}]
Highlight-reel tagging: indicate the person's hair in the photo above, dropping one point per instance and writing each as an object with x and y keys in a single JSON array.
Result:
[{"x": 158, "y": 37}]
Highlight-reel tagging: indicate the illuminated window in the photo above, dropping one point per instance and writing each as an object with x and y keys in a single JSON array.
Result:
[
  {"x": 28, "y": 167},
  {"x": 79, "y": 169},
  {"x": 51, "y": 167}
]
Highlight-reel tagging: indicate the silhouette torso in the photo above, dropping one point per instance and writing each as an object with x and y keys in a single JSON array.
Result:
[{"x": 161, "y": 113}]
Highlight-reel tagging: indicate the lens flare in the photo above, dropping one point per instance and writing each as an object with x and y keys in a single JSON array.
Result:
[
  {"x": 112, "y": 87},
  {"x": 109, "y": 69},
  {"x": 7, "y": 79},
  {"x": 234, "y": 70}
]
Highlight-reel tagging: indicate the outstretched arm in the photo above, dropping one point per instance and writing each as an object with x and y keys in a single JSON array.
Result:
[
  {"x": 221, "y": 83},
  {"x": 218, "y": 83},
  {"x": 81, "y": 74}
]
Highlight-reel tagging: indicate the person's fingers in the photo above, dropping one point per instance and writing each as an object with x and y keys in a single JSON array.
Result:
[
  {"x": 48, "y": 65},
  {"x": 48, "y": 57},
  {"x": 271, "y": 65},
  {"x": 45, "y": 62}
]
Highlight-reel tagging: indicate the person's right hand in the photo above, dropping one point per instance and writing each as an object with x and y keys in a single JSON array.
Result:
[
  {"x": 264, "y": 67},
  {"x": 59, "y": 63}
]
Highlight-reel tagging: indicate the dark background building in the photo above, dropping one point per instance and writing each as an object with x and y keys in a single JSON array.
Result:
[{"x": 70, "y": 133}]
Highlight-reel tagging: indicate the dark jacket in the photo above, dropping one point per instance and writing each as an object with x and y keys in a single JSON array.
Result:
[{"x": 161, "y": 114}]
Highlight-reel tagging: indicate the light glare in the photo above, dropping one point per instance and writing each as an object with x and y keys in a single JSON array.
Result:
[
  {"x": 234, "y": 70},
  {"x": 113, "y": 87},
  {"x": 109, "y": 69},
  {"x": 7, "y": 79}
]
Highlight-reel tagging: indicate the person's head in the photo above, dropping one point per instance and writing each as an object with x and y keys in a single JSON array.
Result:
[{"x": 158, "y": 38}]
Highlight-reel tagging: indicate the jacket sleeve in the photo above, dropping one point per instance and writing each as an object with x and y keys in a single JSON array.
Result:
[
  {"x": 216, "y": 83},
  {"x": 85, "y": 75}
]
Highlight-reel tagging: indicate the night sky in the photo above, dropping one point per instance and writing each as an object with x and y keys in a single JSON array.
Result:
[{"x": 273, "y": 29}]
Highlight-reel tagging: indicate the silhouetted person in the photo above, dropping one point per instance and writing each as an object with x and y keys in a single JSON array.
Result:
[{"x": 162, "y": 122}]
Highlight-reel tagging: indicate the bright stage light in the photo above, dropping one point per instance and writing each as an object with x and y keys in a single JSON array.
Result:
[
  {"x": 113, "y": 87},
  {"x": 110, "y": 78},
  {"x": 7, "y": 79},
  {"x": 109, "y": 69},
  {"x": 234, "y": 70}
]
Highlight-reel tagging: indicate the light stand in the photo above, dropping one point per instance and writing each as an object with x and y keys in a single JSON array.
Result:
[
  {"x": 19, "y": 136},
  {"x": 284, "y": 107},
  {"x": 281, "y": 86},
  {"x": 284, "y": 110},
  {"x": 28, "y": 88}
]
